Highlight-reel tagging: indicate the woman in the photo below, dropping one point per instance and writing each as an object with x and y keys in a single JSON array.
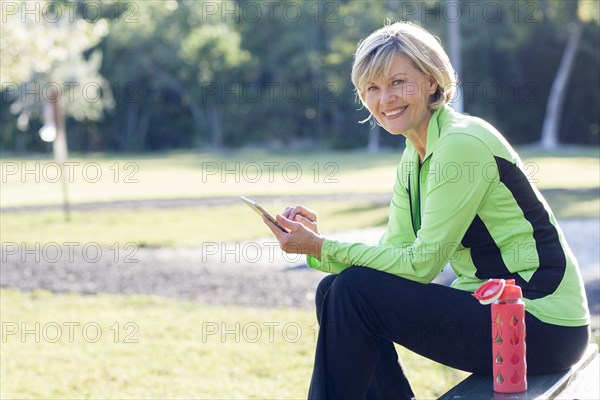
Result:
[{"x": 461, "y": 196}]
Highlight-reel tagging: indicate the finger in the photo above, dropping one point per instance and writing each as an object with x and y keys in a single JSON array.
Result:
[
  {"x": 309, "y": 214},
  {"x": 292, "y": 214},
  {"x": 304, "y": 212},
  {"x": 286, "y": 212},
  {"x": 287, "y": 223},
  {"x": 305, "y": 221},
  {"x": 274, "y": 228}
]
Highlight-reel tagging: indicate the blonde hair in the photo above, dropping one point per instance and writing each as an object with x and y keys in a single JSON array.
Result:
[{"x": 375, "y": 55}]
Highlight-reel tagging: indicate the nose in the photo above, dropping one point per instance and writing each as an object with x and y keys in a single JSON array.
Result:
[{"x": 388, "y": 96}]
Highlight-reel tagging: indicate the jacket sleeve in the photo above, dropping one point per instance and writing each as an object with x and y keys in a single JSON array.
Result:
[
  {"x": 458, "y": 182},
  {"x": 399, "y": 229}
]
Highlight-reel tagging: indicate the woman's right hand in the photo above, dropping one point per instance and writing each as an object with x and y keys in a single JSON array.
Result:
[{"x": 306, "y": 217}]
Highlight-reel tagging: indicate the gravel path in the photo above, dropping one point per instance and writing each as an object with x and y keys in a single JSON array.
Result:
[{"x": 253, "y": 273}]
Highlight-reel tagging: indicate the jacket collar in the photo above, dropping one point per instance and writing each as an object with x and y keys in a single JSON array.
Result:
[{"x": 434, "y": 131}]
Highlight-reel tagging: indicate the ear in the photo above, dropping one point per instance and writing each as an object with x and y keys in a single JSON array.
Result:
[
  {"x": 433, "y": 85},
  {"x": 362, "y": 98}
]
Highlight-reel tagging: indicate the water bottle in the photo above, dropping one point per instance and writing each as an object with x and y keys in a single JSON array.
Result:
[{"x": 508, "y": 334}]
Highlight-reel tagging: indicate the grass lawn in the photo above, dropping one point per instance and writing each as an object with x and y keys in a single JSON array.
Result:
[
  {"x": 180, "y": 227},
  {"x": 119, "y": 347},
  {"x": 190, "y": 227},
  {"x": 107, "y": 177},
  {"x": 149, "y": 347},
  {"x": 187, "y": 174}
]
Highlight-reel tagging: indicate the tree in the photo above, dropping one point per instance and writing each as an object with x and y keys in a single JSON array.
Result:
[
  {"x": 185, "y": 73},
  {"x": 454, "y": 47},
  {"x": 186, "y": 58},
  {"x": 44, "y": 54},
  {"x": 213, "y": 53},
  {"x": 586, "y": 11}
]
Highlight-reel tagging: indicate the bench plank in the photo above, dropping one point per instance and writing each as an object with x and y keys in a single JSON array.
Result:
[
  {"x": 586, "y": 384},
  {"x": 548, "y": 386}
]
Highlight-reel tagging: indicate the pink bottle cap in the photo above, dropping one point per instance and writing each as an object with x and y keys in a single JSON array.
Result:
[
  {"x": 511, "y": 291},
  {"x": 490, "y": 291}
]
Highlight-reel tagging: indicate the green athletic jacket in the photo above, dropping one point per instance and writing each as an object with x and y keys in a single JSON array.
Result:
[{"x": 470, "y": 204}]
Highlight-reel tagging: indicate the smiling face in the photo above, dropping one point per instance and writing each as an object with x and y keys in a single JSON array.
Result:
[{"x": 400, "y": 100}]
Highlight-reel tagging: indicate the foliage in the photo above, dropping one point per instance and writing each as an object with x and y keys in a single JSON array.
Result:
[
  {"x": 209, "y": 74},
  {"x": 44, "y": 51}
]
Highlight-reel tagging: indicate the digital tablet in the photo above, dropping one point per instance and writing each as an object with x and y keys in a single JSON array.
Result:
[{"x": 261, "y": 211}]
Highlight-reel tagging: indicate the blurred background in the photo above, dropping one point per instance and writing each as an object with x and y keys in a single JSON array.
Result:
[
  {"x": 128, "y": 130},
  {"x": 159, "y": 75}
]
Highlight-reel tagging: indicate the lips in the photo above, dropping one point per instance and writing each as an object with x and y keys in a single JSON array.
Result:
[{"x": 394, "y": 112}]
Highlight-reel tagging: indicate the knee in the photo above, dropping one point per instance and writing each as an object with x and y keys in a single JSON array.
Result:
[
  {"x": 346, "y": 281},
  {"x": 340, "y": 281},
  {"x": 351, "y": 280},
  {"x": 323, "y": 287},
  {"x": 369, "y": 283},
  {"x": 354, "y": 276}
]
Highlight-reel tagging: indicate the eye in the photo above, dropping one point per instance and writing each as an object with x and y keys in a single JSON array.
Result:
[
  {"x": 396, "y": 82},
  {"x": 371, "y": 88}
]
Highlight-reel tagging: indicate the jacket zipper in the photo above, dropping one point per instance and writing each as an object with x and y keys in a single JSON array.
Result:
[
  {"x": 410, "y": 205},
  {"x": 415, "y": 211},
  {"x": 418, "y": 205}
]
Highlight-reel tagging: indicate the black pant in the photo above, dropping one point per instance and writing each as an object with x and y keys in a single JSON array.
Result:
[{"x": 362, "y": 312}]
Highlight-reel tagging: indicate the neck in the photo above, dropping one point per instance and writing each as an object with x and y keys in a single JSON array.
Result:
[{"x": 418, "y": 137}]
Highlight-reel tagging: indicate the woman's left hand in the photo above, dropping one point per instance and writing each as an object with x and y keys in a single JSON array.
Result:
[{"x": 299, "y": 240}]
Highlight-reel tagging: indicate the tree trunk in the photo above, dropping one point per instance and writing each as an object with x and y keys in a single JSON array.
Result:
[
  {"x": 199, "y": 120},
  {"x": 130, "y": 126},
  {"x": 216, "y": 126},
  {"x": 454, "y": 46},
  {"x": 143, "y": 126},
  {"x": 549, "y": 139},
  {"x": 373, "y": 146},
  {"x": 317, "y": 85},
  {"x": 19, "y": 142},
  {"x": 174, "y": 84}
]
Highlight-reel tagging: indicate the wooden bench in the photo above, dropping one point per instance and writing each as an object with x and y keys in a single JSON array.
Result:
[{"x": 579, "y": 382}]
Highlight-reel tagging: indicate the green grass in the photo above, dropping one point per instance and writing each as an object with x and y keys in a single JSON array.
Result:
[
  {"x": 569, "y": 204},
  {"x": 187, "y": 174},
  {"x": 567, "y": 151},
  {"x": 190, "y": 227},
  {"x": 171, "y": 358},
  {"x": 109, "y": 177},
  {"x": 180, "y": 227},
  {"x": 167, "y": 350}
]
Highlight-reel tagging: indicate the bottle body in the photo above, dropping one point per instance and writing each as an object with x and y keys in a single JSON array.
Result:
[{"x": 508, "y": 346}]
